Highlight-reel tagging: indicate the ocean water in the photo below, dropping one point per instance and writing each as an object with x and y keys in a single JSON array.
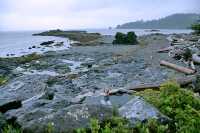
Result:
[
  {"x": 17, "y": 44},
  {"x": 13, "y": 44},
  {"x": 139, "y": 32}
]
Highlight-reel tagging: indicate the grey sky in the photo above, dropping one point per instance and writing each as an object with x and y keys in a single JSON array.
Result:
[{"x": 74, "y": 14}]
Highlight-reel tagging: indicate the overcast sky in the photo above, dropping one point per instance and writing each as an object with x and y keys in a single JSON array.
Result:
[{"x": 75, "y": 14}]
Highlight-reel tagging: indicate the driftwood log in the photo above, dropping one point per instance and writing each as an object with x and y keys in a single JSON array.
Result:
[
  {"x": 165, "y": 50},
  {"x": 177, "y": 68},
  {"x": 196, "y": 58},
  {"x": 182, "y": 81}
]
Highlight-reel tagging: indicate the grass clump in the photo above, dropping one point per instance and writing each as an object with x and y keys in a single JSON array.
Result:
[
  {"x": 28, "y": 58},
  {"x": 3, "y": 80},
  {"x": 178, "y": 104},
  {"x": 121, "y": 125},
  {"x": 11, "y": 129}
]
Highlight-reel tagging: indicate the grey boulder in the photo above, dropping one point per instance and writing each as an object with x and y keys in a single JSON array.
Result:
[{"x": 138, "y": 110}]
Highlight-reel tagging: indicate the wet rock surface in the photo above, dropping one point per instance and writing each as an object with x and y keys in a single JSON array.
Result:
[{"x": 67, "y": 88}]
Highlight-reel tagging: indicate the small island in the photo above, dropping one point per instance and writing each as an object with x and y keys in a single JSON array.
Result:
[{"x": 81, "y": 37}]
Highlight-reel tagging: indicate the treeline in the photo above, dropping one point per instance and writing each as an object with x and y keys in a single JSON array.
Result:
[{"x": 176, "y": 21}]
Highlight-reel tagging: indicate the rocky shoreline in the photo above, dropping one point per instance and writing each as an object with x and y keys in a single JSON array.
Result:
[{"x": 67, "y": 88}]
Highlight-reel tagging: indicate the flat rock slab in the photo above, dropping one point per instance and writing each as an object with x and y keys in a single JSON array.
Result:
[
  {"x": 139, "y": 110},
  {"x": 21, "y": 89},
  {"x": 67, "y": 119},
  {"x": 114, "y": 101}
]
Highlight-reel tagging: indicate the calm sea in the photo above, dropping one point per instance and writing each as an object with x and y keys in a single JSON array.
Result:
[{"x": 19, "y": 43}]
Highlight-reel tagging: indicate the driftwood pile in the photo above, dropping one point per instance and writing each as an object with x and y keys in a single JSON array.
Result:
[
  {"x": 185, "y": 48},
  {"x": 178, "y": 47}
]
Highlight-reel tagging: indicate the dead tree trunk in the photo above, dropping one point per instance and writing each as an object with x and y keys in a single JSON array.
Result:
[
  {"x": 182, "y": 81},
  {"x": 177, "y": 68}
]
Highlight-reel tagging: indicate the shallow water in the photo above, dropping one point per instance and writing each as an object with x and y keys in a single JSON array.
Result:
[
  {"x": 35, "y": 72},
  {"x": 139, "y": 32},
  {"x": 18, "y": 43},
  {"x": 73, "y": 65}
]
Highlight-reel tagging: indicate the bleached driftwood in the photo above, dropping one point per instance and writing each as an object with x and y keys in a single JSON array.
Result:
[
  {"x": 196, "y": 58},
  {"x": 192, "y": 65},
  {"x": 177, "y": 68}
]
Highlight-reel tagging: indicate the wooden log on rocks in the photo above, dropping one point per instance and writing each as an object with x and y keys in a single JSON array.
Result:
[
  {"x": 182, "y": 81},
  {"x": 177, "y": 68},
  {"x": 163, "y": 50},
  {"x": 146, "y": 86}
]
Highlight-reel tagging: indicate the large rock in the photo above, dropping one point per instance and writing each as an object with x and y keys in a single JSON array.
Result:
[
  {"x": 113, "y": 101},
  {"x": 139, "y": 110},
  {"x": 65, "y": 120},
  {"x": 21, "y": 89}
]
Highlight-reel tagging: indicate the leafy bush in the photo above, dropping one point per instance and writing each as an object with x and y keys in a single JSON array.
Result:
[
  {"x": 187, "y": 55},
  {"x": 119, "y": 38},
  {"x": 196, "y": 28},
  {"x": 179, "y": 104},
  {"x": 129, "y": 38},
  {"x": 152, "y": 126}
]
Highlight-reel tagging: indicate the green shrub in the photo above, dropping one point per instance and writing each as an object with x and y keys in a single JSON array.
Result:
[
  {"x": 179, "y": 104},
  {"x": 152, "y": 126},
  {"x": 120, "y": 38},
  {"x": 129, "y": 38},
  {"x": 187, "y": 55},
  {"x": 11, "y": 129},
  {"x": 196, "y": 28}
]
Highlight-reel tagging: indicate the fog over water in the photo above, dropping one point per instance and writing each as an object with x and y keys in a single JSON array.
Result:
[{"x": 76, "y": 14}]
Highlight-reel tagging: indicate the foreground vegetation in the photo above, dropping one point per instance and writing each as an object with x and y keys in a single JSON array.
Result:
[
  {"x": 180, "y": 105},
  {"x": 121, "y": 125}
]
